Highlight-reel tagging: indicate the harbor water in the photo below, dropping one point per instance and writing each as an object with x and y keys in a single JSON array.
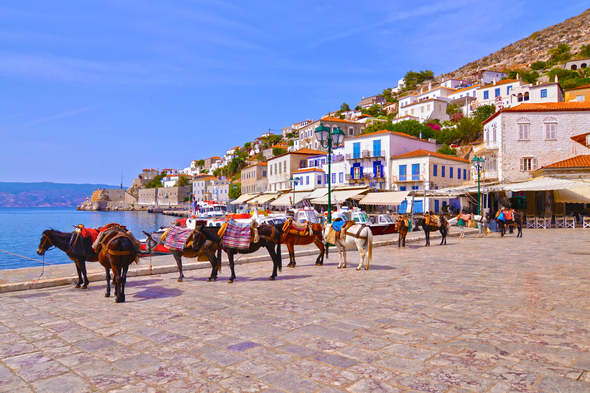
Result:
[{"x": 21, "y": 230}]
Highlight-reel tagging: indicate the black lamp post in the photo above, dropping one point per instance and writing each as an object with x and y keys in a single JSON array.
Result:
[
  {"x": 477, "y": 163},
  {"x": 329, "y": 140}
]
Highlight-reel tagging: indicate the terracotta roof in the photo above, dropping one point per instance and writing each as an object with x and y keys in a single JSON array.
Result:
[
  {"x": 502, "y": 82},
  {"x": 421, "y": 102},
  {"x": 387, "y": 132},
  {"x": 331, "y": 118},
  {"x": 579, "y": 87},
  {"x": 422, "y": 152},
  {"x": 308, "y": 170},
  {"x": 545, "y": 107},
  {"x": 305, "y": 150},
  {"x": 467, "y": 88},
  {"x": 581, "y": 139},
  {"x": 401, "y": 117},
  {"x": 581, "y": 161}
]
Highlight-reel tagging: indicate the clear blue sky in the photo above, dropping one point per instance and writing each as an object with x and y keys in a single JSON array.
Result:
[{"x": 92, "y": 88}]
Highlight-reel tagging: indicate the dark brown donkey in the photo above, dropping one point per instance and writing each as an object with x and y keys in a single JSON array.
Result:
[
  {"x": 402, "y": 226},
  {"x": 116, "y": 253},
  {"x": 302, "y": 235},
  {"x": 52, "y": 238}
]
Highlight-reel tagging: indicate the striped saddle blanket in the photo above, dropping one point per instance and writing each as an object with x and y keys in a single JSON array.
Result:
[
  {"x": 237, "y": 235},
  {"x": 176, "y": 237}
]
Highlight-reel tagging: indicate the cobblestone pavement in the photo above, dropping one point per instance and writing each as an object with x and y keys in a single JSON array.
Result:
[{"x": 478, "y": 315}]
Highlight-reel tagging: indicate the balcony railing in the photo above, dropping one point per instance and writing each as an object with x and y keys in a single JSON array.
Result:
[
  {"x": 408, "y": 178},
  {"x": 365, "y": 154}
]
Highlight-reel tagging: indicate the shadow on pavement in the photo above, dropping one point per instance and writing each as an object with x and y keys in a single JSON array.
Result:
[{"x": 155, "y": 293}]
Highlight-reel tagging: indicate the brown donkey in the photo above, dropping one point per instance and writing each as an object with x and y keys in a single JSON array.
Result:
[
  {"x": 302, "y": 235},
  {"x": 116, "y": 252}
]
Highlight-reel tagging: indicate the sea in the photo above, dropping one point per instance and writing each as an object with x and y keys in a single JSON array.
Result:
[{"x": 21, "y": 229}]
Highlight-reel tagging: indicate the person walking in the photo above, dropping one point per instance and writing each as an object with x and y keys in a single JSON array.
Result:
[{"x": 461, "y": 223}]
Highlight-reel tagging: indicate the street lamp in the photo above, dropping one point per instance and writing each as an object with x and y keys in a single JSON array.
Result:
[
  {"x": 294, "y": 182},
  {"x": 329, "y": 140},
  {"x": 477, "y": 163}
]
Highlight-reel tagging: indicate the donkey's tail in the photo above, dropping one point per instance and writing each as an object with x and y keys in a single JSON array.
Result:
[
  {"x": 370, "y": 245},
  {"x": 279, "y": 256},
  {"x": 219, "y": 258}
]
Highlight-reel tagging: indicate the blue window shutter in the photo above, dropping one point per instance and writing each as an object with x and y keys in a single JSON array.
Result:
[
  {"x": 361, "y": 171},
  {"x": 351, "y": 172}
]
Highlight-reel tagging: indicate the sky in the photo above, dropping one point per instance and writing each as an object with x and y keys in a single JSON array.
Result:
[{"x": 95, "y": 90}]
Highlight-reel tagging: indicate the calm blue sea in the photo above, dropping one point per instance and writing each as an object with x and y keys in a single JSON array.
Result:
[{"x": 21, "y": 229}]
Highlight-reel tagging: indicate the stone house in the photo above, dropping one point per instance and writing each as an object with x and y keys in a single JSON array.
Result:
[
  {"x": 173, "y": 196},
  {"x": 281, "y": 167},
  {"x": 307, "y": 139},
  {"x": 147, "y": 196},
  {"x": 254, "y": 178},
  {"x": 370, "y": 101},
  {"x": 521, "y": 139}
]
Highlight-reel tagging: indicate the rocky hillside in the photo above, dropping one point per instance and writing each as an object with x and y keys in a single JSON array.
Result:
[{"x": 575, "y": 32}]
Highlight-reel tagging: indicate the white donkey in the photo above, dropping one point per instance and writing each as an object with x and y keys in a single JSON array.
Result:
[{"x": 359, "y": 235}]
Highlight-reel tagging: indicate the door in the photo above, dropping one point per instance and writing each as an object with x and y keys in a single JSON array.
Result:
[
  {"x": 403, "y": 207},
  {"x": 418, "y": 207}
]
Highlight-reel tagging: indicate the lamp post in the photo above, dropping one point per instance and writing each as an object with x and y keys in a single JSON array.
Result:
[
  {"x": 477, "y": 163},
  {"x": 294, "y": 182},
  {"x": 329, "y": 140}
]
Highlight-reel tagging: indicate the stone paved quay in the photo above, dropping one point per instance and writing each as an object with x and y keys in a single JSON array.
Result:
[{"x": 478, "y": 315}]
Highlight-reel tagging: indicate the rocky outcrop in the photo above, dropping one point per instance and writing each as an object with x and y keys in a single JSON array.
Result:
[{"x": 106, "y": 205}]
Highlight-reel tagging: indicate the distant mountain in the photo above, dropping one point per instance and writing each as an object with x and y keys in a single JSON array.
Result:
[{"x": 46, "y": 194}]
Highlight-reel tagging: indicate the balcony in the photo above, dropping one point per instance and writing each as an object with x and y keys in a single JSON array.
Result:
[
  {"x": 408, "y": 178},
  {"x": 365, "y": 176},
  {"x": 365, "y": 154}
]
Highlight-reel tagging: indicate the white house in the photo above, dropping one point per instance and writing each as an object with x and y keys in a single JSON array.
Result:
[
  {"x": 454, "y": 83},
  {"x": 400, "y": 85},
  {"x": 466, "y": 98},
  {"x": 432, "y": 108},
  {"x": 281, "y": 167},
  {"x": 170, "y": 180},
  {"x": 576, "y": 64},
  {"x": 211, "y": 189},
  {"x": 488, "y": 76},
  {"x": 546, "y": 92},
  {"x": 170, "y": 171},
  {"x": 308, "y": 179},
  {"x": 369, "y": 155},
  {"x": 423, "y": 170},
  {"x": 498, "y": 92},
  {"x": 520, "y": 139}
]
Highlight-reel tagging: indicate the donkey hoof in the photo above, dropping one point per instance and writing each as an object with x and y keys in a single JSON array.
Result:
[
  {"x": 208, "y": 280},
  {"x": 84, "y": 287},
  {"x": 107, "y": 295},
  {"x": 318, "y": 264},
  {"x": 271, "y": 278},
  {"x": 358, "y": 268},
  {"x": 120, "y": 300},
  {"x": 367, "y": 268},
  {"x": 230, "y": 281},
  {"x": 77, "y": 286},
  {"x": 179, "y": 279}
]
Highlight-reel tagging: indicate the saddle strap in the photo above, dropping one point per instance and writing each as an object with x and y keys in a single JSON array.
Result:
[{"x": 120, "y": 235}]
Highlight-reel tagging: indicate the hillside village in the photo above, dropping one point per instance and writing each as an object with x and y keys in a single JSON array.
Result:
[{"x": 524, "y": 121}]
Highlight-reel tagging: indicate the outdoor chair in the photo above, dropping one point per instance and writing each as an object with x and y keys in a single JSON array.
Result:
[
  {"x": 585, "y": 221},
  {"x": 531, "y": 222},
  {"x": 544, "y": 222},
  {"x": 559, "y": 221},
  {"x": 570, "y": 221}
]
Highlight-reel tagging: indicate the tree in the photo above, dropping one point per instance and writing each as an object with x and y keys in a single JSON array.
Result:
[
  {"x": 445, "y": 149},
  {"x": 247, "y": 145},
  {"x": 277, "y": 151},
  {"x": 469, "y": 129},
  {"x": 344, "y": 107},
  {"x": 201, "y": 162},
  {"x": 456, "y": 117},
  {"x": 483, "y": 112},
  {"x": 411, "y": 79},
  {"x": 235, "y": 190},
  {"x": 183, "y": 181},
  {"x": 526, "y": 75},
  {"x": 538, "y": 65},
  {"x": 204, "y": 171},
  {"x": 271, "y": 140},
  {"x": 584, "y": 51},
  {"x": 409, "y": 127},
  {"x": 260, "y": 157},
  {"x": 453, "y": 108},
  {"x": 157, "y": 182}
]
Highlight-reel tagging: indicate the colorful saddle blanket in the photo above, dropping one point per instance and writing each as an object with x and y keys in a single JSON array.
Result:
[
  {"x": 507, "y": 215},
  {"x": 175, "y": 238},
  {"x": 237, "y": 235},
  {"x": 432, "y": 220}
]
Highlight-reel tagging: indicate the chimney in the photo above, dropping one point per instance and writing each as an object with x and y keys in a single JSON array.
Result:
[
  {"x": 421, "y": 90},
  {"x": 556, "y": 79},
  {"x": 517, "y": 76},
  {"x": 494, "y": 81},
  {"x": 430, "y": 86}
]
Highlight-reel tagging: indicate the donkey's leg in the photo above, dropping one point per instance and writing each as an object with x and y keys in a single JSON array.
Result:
[
  {"x": 275, "y": 261},
  {"x": 340, "y": 263},
  {"x": 108, "y": 276},
  {"x": 123, "y": 282},
  {"x": 320, "y": 259},
  {"x": 361, "y": 249},
  {"x": 230, "y": 256},
  {"x": 77, "y": 263},
  {"x": 178, "y": 258},
  {"x": 86, "y": 282},
  {"x": 291, "y": 248},
  {"x": 343, "y": 248}
]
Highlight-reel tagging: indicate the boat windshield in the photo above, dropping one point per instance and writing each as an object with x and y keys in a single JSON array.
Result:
[
  {"x": 362, "y": 218},
  {"x": 385, "y": 219},
  {"x": 307, "y": 215}
]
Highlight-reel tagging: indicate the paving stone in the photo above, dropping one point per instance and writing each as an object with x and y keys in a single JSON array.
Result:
[
  {"x": 299, "y": 351},
  {"x": 63, "y": 383},
  {"x": 33, "y": 366},
  {"x": 372, "y": 386},
  {"x": 336, "y": 360},
  {"x": 223, "y": 358},
  {"x": 96, "y": 344},
  {"x": 242, "y": 346},
  {"x": 335, "y": 334},
  {"x": 136, "y": 362},
  {"x": 291, "y": 383}
]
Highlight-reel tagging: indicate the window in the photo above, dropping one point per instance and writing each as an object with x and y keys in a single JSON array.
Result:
[
  {"x": 422, "y": 109},
  {"x": 280, "y": 167},
  {"x": 351, "y": 131},
  {"x": 356, "y": 150},
  {"x": 486, "y": 95},
  {"x": 580, "y": 97},
  {"x": 415, "y": 188},
  {"x": 412, "y": 111},
  {"x": 435, "y": 170},
  {"x": 415, "y": 172},
  {"x": 285, "y": 166},
  {"x": 528, "y": 164},
  {"x": 459, "y": 173},
  {"x": 402, "y": 188},
  {"x": 436, "y": 206},
  {"x": 526, "y": 96},
  {"x": 465, "y": 174},
  {"x": 326, "y": 179},
  {"x": 307, "y": 180},
  {"x": 543, "y": 93},
  {"x": 341, "y": 177},
  {"x": 333, "y": 178},
  {"x": 550, "y": 131},
  {"x": 450, "y": 172},
  {"x": 508, "y": 90},
  {"x": 402, "y": 172},
  {"x": 428, "y": 107},
  {"x": 320, "y": 179},
  {"x": 497, "y": 92},
  {"x": 377, "y": 148},
  {"x": 524, "y": 132},
  {"x": 442, "y": 174}
]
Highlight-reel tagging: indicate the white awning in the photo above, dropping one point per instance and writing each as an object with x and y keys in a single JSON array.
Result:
[
  {"x": 317, "y": 193},
  {"x": 340, "y": 195},
  {"x": 543, "y": 184},
  {"x": 244, "y": 198},
  {"x": 263, "y": 198},
  {"x": 384, "y": 198},
  {"x": 574, "y": 195}
]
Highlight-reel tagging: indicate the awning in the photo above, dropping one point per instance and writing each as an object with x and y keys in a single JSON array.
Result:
[
  {"x": 384, "y": 198},
  {"x": 543, "y": 184},
  {"x": 263, "y": 198},
  {"x": 340, "y": 195},
  {"x": 317, "y": 193},
  {"x": 573, "y": 195},
  {"x": 244, "y": 198}
]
